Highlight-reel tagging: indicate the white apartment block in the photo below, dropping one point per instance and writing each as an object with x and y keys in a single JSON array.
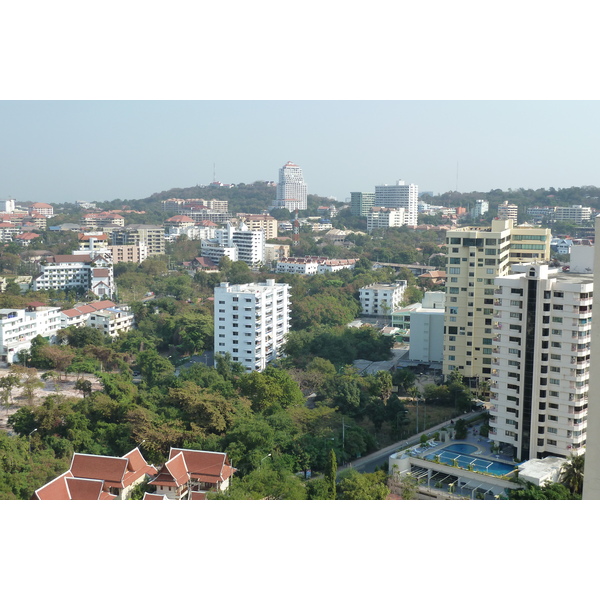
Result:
[
  {"x": 251, "y": 321},
  {"x": 19, "y": 326},
  {"x": 216, "y": 251},
  {"x": 7, "y": 206},
  {"x": 382, "y": 298},
  {"x": 476, "y": 256},
  {"x": 576, "y": 213},
  {"x": 8, "y": 231},
  {"x": 41, "y": 208},
  {"x": 291, "y": 189},
  {"x": 424, "y": 326},
  {"x": 311, "y": 265},
  {"x": 541, "y": 362},
  {"x": 237, "y": 244},
  {"x": 380, "y": 217},
  {"x": 66, "y": 272},
  {"x": 481, "y": 207},
  {"x": 508, "y": 211},
  {"x": 401, "y": 195}
]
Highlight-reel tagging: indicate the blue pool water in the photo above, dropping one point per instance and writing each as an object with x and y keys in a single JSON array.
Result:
[{"x": 461, "y": 452}]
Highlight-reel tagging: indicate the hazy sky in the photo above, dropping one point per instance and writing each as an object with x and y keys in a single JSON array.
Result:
[{"x": 62, "y": 151}]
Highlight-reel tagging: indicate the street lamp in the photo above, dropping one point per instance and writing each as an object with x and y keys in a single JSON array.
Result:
[
  {"x": 267, "y": 456},
  {"x": 29, "y": 436}
]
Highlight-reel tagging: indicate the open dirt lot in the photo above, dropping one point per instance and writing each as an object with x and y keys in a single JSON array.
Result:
[{"x": 66, "y": 387}]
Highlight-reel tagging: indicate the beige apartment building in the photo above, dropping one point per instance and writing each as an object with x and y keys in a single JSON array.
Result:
[
  {"x": 476, "y": 256},
  {"x": 130, "y": 253},
  {"x": 266, "y": 223}
]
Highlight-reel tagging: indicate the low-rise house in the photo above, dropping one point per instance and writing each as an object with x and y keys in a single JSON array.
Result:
[
  {"x": 24, "y": 239},
  {"x": 190, "y": 473},
  {"x": 92, "y": 477},
  {"x": 103, "y": 315}
]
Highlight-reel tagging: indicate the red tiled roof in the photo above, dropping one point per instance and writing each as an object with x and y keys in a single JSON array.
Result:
[
  {"x": 27, "y": 236},
  {"x": 173, "y": 473},
  {"x": 109, "y": 469},
  {"x": 100, "y": 272},
  {"x": 41, "y": 205},
  {"x": 102, "y": 304},
  {"x": 180, "y": 219},
  {"x": 54, "y": 490},
  {"x": 204, "y": 465},
  {"x": 58, "y": 258},
  {"x": 197, "y": 495},
  {"x": 149, "y": 496},
  {"x": 71, "y": 312},
  {"x": 84, "y": 489}
]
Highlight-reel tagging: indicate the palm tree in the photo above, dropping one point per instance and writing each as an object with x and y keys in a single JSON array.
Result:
[{"x": 572, "y": 474}]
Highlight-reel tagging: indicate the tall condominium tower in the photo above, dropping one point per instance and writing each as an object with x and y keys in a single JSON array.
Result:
[
  {"x": 361, "y": 203},
  {"x": 476, "y": 255},
  {"x": 541, "y": 362},
  {"x": 401, "y": 195},
  {"x": 251, "y": 321},
  {"x": 291, "y": 189}
]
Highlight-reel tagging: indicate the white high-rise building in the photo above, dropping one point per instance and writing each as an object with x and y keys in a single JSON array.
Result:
[
  {"x": 480, "y": 208},
  {"x": 382, "y": 298},
  {"x": 237, "y": 244},
  {"x": 291, "y": 189},
  {"x": 251, "y": 321},
  {"x": 401, "y": 195},
  {"x": 539, "y": 387}
]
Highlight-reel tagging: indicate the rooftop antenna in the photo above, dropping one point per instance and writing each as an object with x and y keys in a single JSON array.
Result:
[{"x": 456, "y": 189}]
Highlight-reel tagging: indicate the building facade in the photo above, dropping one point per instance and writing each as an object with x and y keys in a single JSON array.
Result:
[
  {"x": 380, "y": 217},
  {"x": 401, "y": 195},
  {"x": 252, "y": 321},
  {"x": 539, "y": 388},
  {"x": 19, "y": 326},
  {"x": 476, "y": 256},
  {"x": 382, "y": 298},
  {"x": 508, "y": 211},
  {"x": 361, "y": 203},
  {"x": 291, "y": 189},
  {"x": 151, "y": 236},
  {"x": 66, "y": 272}
]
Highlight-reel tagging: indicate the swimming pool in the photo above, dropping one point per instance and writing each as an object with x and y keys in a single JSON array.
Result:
[{"x": 460, "y": 455}]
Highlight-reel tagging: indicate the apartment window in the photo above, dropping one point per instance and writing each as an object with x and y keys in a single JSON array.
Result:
[
  {"x": 552, "y": 430},
  {"x": 557, "y": 319},
  {"x": 552, "y": 418},
  {"x": 454, "y": 270},
  {"x": 557, "y": 306},
  {"x": 490, "y": 271},
  {"x": 551, "y": 442},
  {"x": 559, "y": 295},
  {"x": 555, "y": 369},
  {"x": 556, "y": 345},
  {"x": 554, "y": 381},
  {"x": 555, "y": 356}
]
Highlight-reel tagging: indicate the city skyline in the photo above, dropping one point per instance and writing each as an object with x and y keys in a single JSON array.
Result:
[{"x": 63, "y": 151}]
